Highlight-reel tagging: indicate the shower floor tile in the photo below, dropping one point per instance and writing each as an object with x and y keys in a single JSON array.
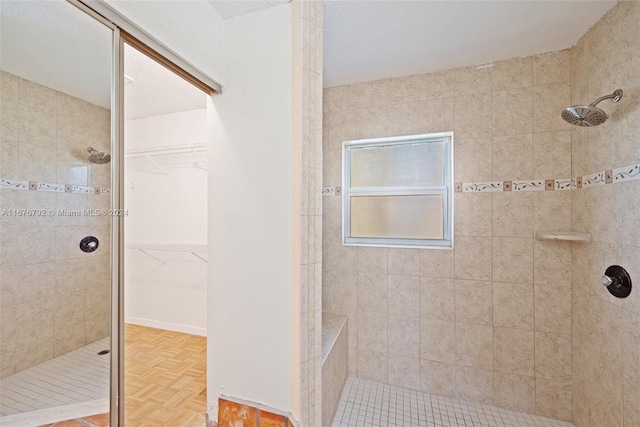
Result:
[
  {"x": 369, "y": 403},
  {"x": 78, "y": 376}
]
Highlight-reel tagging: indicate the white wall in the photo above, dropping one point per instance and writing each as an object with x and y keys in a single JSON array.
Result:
[
  {"x": 192, "y": 29},
  {"x": 250, "y": 215},
  {"x": 168, "y": 208}
]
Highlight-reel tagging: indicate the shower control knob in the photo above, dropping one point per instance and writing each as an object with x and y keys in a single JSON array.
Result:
[
  {"x": 606, "y": 280},
  {"x": 617, "y": 281}
]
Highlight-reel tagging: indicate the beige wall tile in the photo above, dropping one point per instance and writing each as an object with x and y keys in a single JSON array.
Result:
[
  {"x": 372, "y": 365},
  {"x": 474, "y": 384},
  {"x": 437, "y": 378},
  {"x": 513, "y": 214},
  {"x": 512, "y": 157},
  {"x": 473, "y": 302},
  {"x": 552, "y": 263},
  {"x": 631, "y": 373},
  {"x": 440, "y": 84},
  {"x": 337, "y": 98},
  {"x": 437, "y": 115},
  {"x": 372, "y": 332},
  {"x": 372, "y": 292},
  {"x": 369, "y": 94},
  {"x": 552, "y": 155},
  {"x": 473, "y": 116},
  {"x": 473, "y": 214},
  {"x": 513, "y": 351},
  {"x": 579, "y": 152},
  {"x": 404, "y": 336},
  {"x": 404, "y": 90},
  {"x": 404, "y": 119},
  {"x": 472, "y": 80},
  {"x": 580, "y": 209},
  {"x": 9, "y": 124},
  {"x": 340, "y": 258},
  {"x": 404, "y": 295},
  {"x": 437, "y": 298},
  {"x": 512, "y": 73},
  {"x": 404, "y": 372},
  {"x": 606, "y": 223},
  {"x": 437, "y": 341},
  {"x": 513, "y": 305},
  {"x": 474, "y": 345},
  {"x": 404, "y": 261},
  {"x": 552, "y": 210},
  {"x": 372, "y": 260},
  {"x": 473, "y": 161},
  {"x": 436, "y": 263},
  {"x": 9, "y": 86},
  {"x": 548, "y": 103},
  {"x": 631, "y": 262},
  {"x": 554, "y": 399},
  {"x": 631, "y": 213},
  {"x": 514, "y": 392},
  {"x": 553, "y": 356},
  {"x": 552, "y": 309},
  {"x": 552, "y": 67},
  {"x": 512, "y": 111},
  {"x": 372, "y": 122},
  {"x": 513, "y": 259},
  {"x": 473, "y": 258},
  {"x": 340, "y": 291}
]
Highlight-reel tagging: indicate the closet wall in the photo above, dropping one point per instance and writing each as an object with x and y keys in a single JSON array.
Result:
[{"x": 166, "y": 222}]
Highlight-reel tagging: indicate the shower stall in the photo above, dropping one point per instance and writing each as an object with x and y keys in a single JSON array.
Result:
[{"x": 55, "y": 71}]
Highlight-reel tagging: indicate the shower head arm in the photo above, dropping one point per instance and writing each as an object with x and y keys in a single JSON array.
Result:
[{"x": 614, "y": 97}]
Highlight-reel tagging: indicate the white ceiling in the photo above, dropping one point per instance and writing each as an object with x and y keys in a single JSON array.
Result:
[
  {"x": 368, "y": 40},
  {"x": 155, "y": 90},
  {"x": 231, "y": 8},
  {"x": 56, "y": 45}
]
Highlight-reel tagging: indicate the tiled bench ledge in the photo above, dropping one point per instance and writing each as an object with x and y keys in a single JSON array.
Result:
[{"x": 335, "y": 347}]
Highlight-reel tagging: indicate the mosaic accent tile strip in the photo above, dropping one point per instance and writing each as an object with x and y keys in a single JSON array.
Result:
[
  {"x": 628, "y": 173},
  {"x": 83, "y": 190},
  {"x": 481, "y": 187},
  {"x": 593, "y": 179},
  {"x": 532, "y": 185},
  {"x": 14, "y": 184},
  {"x": 623, "y": 174},
  {"x": 45, "y": 186},
  {"x": 564, "y": 184}
]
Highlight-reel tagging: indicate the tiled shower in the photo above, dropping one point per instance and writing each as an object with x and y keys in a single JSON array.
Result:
[
  {"x": 54, "y": 297},
  {"x": 505, "y": 318}
]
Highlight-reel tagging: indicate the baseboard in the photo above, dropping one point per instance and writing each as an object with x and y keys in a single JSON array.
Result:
[{"x": 186, "y": 329}]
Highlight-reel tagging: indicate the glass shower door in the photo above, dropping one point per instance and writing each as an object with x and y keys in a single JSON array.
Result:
[{"x": 55, "y": 200}]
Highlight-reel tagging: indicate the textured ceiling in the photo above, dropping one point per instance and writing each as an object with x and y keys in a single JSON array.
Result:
[
  {"x": 230, "y": 8},
  {"x": 156, "y": 90},
  {"x": 56, "y": 45},
  {"x": 369, "y": 40}
]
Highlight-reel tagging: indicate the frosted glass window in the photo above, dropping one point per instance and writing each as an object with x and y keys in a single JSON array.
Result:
[
  {"x": 398, "y": 191},
  {"x": 397, "y": 165},
  {"x": 408, "y": 217}
]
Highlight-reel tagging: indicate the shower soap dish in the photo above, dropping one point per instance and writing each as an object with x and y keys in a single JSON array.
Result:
[{"x": 573, "y": 236}]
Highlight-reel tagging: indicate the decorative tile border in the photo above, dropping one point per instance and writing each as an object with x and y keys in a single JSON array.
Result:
[
  {"x": 481, "y": 187},
  {"x": 57, "y": 188},
  {"x": 623, "y": 174},
  {"x": 13, "y": 184},
  {"x": 628, "y": 173}
]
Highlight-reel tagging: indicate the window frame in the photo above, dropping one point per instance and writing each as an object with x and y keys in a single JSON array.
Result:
[{"x": 446, "y": 191}]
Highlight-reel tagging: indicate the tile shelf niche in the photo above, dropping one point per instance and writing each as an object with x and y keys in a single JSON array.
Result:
[
  {"x": 162, "y": 158},
  {"x": 573, "y": 236}
]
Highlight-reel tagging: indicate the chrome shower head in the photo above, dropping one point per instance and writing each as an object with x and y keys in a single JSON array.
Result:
[
  {"x": 589, "y": 115},
  {"x": 97, "y": 157}
]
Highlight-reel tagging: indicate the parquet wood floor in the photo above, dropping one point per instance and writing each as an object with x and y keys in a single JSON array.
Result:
[{"x": 165, "y": 378}]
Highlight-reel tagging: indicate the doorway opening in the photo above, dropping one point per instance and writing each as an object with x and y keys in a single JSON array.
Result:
[{"x": 165, "y": 217}]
